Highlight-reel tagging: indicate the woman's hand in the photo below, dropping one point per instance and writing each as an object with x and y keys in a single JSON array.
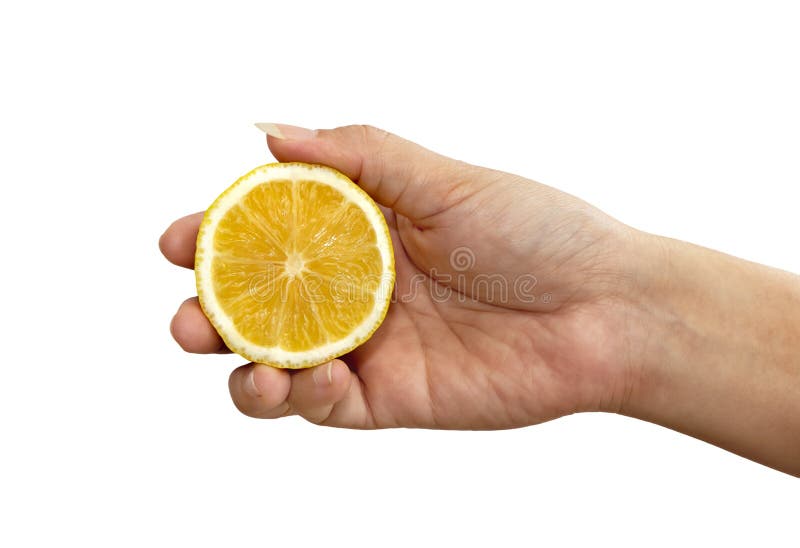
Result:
[
  {"x": 517, "y": 303},
  {"x": 507, "y": 309}
]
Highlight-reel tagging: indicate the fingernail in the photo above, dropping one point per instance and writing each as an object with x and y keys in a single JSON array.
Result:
[
  {"x": 250, "y": 383},
  {"x": 286, "y": 132},
  {"x": 323, "y": 375}
]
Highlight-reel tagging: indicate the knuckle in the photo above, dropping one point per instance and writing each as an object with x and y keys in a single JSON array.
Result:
[
  {"x": 366, "y": 134},
  {"x": 373, "y": 133}
]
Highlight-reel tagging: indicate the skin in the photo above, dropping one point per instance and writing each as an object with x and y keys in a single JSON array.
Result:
[{"x": 609, "y": 318}]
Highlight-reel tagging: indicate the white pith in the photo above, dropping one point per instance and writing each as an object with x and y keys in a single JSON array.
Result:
[{"x": 224, "y": 325}]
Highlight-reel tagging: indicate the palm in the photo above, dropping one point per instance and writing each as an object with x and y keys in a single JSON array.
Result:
[{"x": 446, "y": 359}]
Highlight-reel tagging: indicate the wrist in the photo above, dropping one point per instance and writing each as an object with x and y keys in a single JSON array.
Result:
[
  {"x": 670, "y": 297},
  {"x": 714, "y": 343},
  {"x": 697, "y": 312}
]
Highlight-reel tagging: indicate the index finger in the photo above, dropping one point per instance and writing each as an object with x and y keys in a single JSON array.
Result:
[{"x": 179, "y": 241}]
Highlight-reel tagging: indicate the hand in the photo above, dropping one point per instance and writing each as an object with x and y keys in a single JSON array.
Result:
[
  {"x": 508, "y": 311},
  {"x": 517, "y": 303}
]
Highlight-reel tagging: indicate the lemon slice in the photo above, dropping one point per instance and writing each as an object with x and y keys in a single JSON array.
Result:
[{"x": 294, "y": 265}]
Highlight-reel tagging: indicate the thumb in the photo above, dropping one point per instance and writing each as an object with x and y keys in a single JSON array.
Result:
[{"x": 414, "y": 181}]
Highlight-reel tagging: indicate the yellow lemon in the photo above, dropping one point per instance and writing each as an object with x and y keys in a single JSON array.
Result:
[{"x": 294, "y": 265}]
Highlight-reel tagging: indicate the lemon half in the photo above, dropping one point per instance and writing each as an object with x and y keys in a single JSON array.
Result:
[{"x": 294, "y": 265}]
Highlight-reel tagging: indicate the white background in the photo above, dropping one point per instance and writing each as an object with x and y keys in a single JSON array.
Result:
[{"x": 677, "y": 117}]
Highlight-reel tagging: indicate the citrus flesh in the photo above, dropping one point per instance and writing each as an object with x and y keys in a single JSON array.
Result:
[{"x": 294, "y": 265}]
